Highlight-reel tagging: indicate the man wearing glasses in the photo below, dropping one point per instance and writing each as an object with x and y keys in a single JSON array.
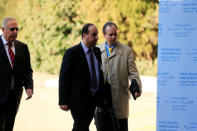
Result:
[{"x": 15, "y": 72}]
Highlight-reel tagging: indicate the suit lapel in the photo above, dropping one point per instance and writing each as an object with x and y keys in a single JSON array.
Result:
[
  {"x": 83, "y": 58},
  {"x": 97, "y": 54},
  {"x": 117, "y": 50},
  {"x": 3, "y": 55},
  {"x": 16, "y": 53},
  {"x": 112, "y": 54}
]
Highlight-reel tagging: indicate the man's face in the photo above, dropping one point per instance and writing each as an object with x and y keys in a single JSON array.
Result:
[
  {"x": 92, "y": 36},
  {"x": 111, "y": 35},
  {"x": 10, "y": 31}
]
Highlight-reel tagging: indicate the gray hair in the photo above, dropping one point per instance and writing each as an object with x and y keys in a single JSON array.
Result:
[{"x": 5, "y": 21}]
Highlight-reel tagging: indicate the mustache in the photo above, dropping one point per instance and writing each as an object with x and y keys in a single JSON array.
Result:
[{"x": 14, "y": 35}]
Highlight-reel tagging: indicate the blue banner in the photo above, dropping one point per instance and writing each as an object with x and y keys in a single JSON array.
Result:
[{"x": 177, "y": 66}]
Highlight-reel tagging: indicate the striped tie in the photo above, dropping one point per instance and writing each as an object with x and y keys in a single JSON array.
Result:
[{"x": 11, "y": 53}]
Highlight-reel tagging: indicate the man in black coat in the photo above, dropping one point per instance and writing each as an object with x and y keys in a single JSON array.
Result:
[
  {"x": 81, "y": 79},
  {"x": 15, "y": 72}
]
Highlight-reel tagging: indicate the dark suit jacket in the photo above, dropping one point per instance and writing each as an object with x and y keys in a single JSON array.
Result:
[
  {"x": 75, "y": 79},
  {"x": 22, "y": 71}
]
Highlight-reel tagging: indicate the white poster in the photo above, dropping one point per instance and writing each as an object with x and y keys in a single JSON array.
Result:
[{"x": 177, "y": 66}]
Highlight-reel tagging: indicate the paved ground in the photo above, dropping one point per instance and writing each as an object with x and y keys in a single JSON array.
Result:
[{"x": 41, "y": 113}]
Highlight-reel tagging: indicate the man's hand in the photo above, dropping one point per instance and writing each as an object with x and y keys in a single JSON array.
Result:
[
  {"x": 29, "y": 94},
  {"x": 64, "y": 107},
  {"x": 138, "y": 94}
]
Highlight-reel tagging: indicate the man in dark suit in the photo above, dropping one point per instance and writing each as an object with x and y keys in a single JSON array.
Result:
[
  {"x": 15, "y": 72},
  {"x": 81, "y": 79}
]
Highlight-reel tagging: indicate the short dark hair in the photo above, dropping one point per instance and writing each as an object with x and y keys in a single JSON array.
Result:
[
  {"x": 85, "y": 29},
  {"x": 108, "y": 24}
]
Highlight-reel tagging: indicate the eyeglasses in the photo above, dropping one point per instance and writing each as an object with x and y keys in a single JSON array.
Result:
[{"x": 12, "y": 29}]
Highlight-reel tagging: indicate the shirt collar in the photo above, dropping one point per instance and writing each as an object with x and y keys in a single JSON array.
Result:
[
  {"x": 85, "y": 48},
  {"x": 111, "y": 46},
  {"x": 4, "y": 40}
]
